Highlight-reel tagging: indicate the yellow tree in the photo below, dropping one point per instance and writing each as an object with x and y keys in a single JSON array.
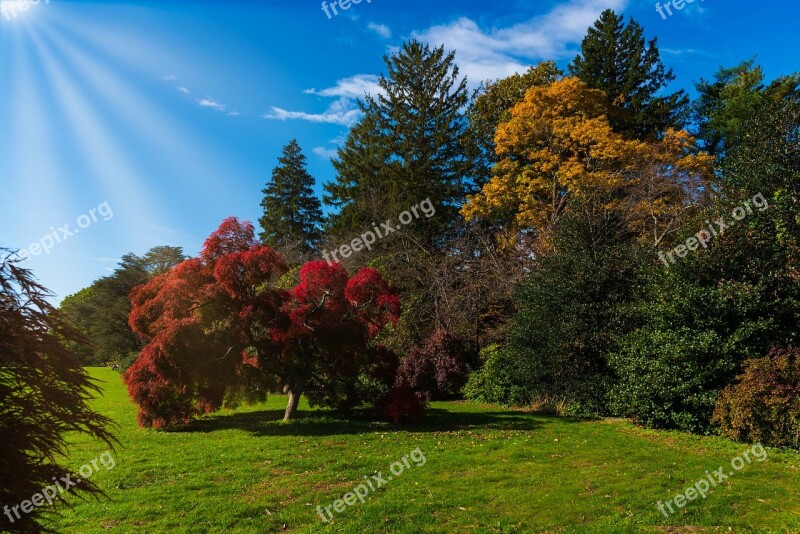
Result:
[{"x": 558, "y": 146}]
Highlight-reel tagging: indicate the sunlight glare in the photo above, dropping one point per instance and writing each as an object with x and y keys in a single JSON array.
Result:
[{"x": 11, "y": 9}]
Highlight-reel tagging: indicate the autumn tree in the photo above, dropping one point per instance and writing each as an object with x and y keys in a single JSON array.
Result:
[
  {"x": 292, "y": 213},
  {"x": 44, "y": 393},
  {"x": 615, "y": 58},
  {"x": 491, "y": 107},
  {"x": 558, "y": 146},
  {"x": 327, "y": 351},
  {"x": 590, "y": 201},
  {"x": 218, "y": 329}
]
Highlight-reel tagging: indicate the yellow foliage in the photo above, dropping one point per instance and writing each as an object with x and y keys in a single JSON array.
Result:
[{"x": 558, "y": 145}]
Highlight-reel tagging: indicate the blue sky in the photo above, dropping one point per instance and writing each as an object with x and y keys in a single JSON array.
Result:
[{"x": 171, "y": 115}]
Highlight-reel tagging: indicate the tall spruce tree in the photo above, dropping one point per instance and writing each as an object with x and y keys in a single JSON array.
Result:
[
  {"x": 292, "y": 214},
  {"x": 407, "y": 147},
  {"x": 616, "y": 59}
]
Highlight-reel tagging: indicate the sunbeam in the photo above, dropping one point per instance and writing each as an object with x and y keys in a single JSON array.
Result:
[
  {"x": 180, "y": 149},
  {"x": 112, "y": 168},
  {"x": 31, "y": 140}
]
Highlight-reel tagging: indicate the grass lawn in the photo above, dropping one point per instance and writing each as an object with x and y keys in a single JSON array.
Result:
[{"x": 486, "y": 469}]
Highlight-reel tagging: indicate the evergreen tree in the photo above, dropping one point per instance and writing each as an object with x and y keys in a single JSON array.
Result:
[
  {"x": 44, "y": 397},
  {"x": 734, "y": 96},
  {"x": 407, "y": 147},
  {"x": 292, "y": 214},
  {"x": 616, "y": 59}
]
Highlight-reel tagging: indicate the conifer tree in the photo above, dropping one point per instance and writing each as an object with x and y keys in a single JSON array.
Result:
[
  {"x": 292, "y": 214},
  {"x": 616, "y": 59},
  {"x": 407, "y": 147}
]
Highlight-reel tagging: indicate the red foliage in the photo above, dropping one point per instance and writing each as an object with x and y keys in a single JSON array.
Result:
[
  {"x": 376, "y": 302},
  {"x": 437, "y": 368},
  {"x": 231, "y": 236},
  {"x": 764, "y": 403},
  {"x": 401, "y": 403},
  {"x": 211, "y": 316}
]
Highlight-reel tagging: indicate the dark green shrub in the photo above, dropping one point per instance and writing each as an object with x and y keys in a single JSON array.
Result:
[
  {"x": 687, "y": 342},
  {"x": 125, "y": 363},
  {"x": 568, "y": 312}
]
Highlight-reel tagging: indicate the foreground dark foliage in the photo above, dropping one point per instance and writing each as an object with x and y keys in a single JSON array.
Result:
[{"x": 43, "y": 394}]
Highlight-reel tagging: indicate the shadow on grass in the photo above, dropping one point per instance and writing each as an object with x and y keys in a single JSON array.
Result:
[{"x": 326, "y": 422}]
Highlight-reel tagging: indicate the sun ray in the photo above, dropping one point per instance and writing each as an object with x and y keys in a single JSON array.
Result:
[
  {"x": 33, "y": 178},
  {"x": 157, "y": 128},
  {"x": 113, "y": 173}
]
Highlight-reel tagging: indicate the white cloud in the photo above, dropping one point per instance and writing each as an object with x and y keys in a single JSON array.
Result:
[
  {"x": 353, "y": 87},
  {"x": 206, "y": 102},
  {"x": 326, "y": 153},
  {"x": 209, "y": 102},
  {"x": 481, "y": 54},
  {"x": 381, "y": 29},
  {"x": 684, "y": 51},
  {"x": 498, "y": 52},
  {"x": 343, "y": 112}
]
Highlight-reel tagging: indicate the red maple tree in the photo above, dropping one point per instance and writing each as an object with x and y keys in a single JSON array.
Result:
[{"x": 219, "y": 329}]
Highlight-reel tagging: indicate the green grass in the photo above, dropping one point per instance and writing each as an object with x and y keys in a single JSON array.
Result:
[{"x": 487, "y": 470}]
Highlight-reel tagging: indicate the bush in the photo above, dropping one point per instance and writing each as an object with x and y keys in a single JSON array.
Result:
[
  {"x": 689, "y": 340},
  {"x": 127, "y": 361},
  {"x": 498, "y": 380},
  {"x": 438, "y": 368},
  {"x": 401, "y": 403},
  {"x": 568, "y": 309},
  {"x": 764, "y": 404}
]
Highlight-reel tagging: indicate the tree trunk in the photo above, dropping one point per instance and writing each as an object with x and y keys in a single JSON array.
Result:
[{"x": 294, "y": 400}]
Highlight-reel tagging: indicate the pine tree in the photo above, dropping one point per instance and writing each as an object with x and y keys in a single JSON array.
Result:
[
  {"x": 616, "y": 59},
  {"x": 292, "y": 214},
  {"x": 407, "y": 147}
]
